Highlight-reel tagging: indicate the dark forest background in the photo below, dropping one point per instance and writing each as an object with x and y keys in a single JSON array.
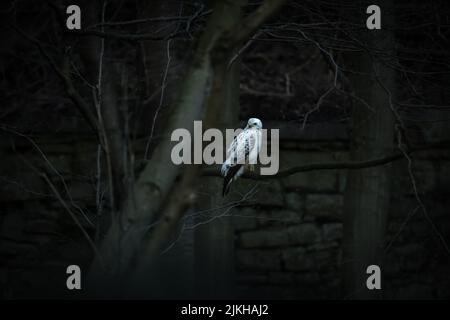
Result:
[{"x": 85, "y": 170}]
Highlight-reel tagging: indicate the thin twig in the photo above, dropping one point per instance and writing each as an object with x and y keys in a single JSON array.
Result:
[{"x": 161, "y": 99}]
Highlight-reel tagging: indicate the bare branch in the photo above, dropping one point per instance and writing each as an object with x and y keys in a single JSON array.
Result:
[
  {"x": 150, "y": 20},
  {"x": 245, "y": 30},
  {"x": 161, "y": 99},
  {"x": 64, "y": 204},
  {"x": 125, "y": 36},
  {"x": 63, "y": 74},
  {"x": 350, "y": 165}
]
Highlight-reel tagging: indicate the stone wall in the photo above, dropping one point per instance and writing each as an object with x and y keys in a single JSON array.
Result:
[
  {"x": 289, "y": 243},
  {"x": 288, "y": 236}
]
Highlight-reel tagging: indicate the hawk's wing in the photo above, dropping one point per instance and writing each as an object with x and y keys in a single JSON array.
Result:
[
  {"x": 240, "y": 148},
  {"x": 245, "y": 142},
  {"x": 239, "y": 152}
]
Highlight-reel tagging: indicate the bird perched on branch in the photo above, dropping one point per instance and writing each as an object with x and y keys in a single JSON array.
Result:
[{"x": 242, "y": 153}]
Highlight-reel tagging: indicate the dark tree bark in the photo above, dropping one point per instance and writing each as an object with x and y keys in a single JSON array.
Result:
[
  {"x": 214, "y": 264},
  {"x": 368, "y": 190},
  {"x": 130, "y": 248}
]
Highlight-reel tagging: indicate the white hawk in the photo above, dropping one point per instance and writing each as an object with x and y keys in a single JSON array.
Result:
[{"x": 243, "y": 151}]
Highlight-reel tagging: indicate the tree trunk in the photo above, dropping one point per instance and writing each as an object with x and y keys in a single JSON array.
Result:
[
  {"x": 122, "y": 241},
  {"x": 367, "y": 191},
  {"x": 214, "y": 264},
  {"x": 130, "y": 248}
]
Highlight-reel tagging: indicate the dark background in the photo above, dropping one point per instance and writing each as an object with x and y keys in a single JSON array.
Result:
[{"x": 363, "y": 118}]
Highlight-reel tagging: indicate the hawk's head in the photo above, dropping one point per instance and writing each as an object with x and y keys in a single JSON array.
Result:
[{"x": 254, "y": 123}]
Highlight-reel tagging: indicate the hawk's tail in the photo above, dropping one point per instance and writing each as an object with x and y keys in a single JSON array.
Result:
[{"x": 230, "y": 173}]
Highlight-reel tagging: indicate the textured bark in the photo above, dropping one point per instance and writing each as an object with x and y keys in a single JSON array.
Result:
[
  {"x": 214, "y": 264},
  {"x": 156, "y": 180}
]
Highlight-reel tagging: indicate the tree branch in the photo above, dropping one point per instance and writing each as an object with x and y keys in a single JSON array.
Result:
[
  {"x": 63, "y": 74},
  {"x": 89, "y": 31},
  {"x": 350, "y": 165},
  {"x": 245, "y": 30},
  {"x": 125, "y": 36}
]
